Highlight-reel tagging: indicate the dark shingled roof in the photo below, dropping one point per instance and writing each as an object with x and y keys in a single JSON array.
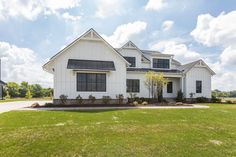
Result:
[
  {"x": 90, "y": 65},
  {"x": 2, "y": 83},
  {"x": 155, "y": 70}
]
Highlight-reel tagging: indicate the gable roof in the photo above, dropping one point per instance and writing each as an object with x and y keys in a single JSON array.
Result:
[
  {"x": 2, "y": 83},
  {"x": 132, "y": 45},
  {"x": 93, "y": 33},
  {"x": 186, "y": 67}
]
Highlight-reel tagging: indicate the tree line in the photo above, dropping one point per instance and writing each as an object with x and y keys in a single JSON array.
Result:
[
  {"x": 25, "y": 90},
  {"x": 218, "y": 93}
]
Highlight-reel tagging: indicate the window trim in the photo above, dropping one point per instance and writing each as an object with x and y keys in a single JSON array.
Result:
[
  {"x": 197, "y": 91},
  {"x": 126, "y": 57},
  {"x": 167, "y": 89},
  {"x": 87, "y": 73},
  {"x": 169, "y": 65},
  {"x": 132, "y": 88}
]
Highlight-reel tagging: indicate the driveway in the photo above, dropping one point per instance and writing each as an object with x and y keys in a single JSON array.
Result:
[{"x": 9, "y": 106}]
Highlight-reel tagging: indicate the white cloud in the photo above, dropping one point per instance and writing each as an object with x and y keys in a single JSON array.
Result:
[
  {"x": 180, "y": 50},
  {"x": 69, "y": 17},
  {"x": 167, "y": 25},
  {"x": 228, "y": 56},
  {"x": 213, "y": 31},
  {"x": 31, "y": 9},
  {"x": 126, "y": 32},
  {"x": 107, "y": 8},
  {"x": 22, "y": 64},
  {"x": 155, "y": 5}
]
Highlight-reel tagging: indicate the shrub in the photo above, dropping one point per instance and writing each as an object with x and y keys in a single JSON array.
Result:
[
  {"x": 7, "y": 96},
  {"x": 35, "y": 105},
  {"x": 120, "y": 98},
  {"x": 63, "y": 99},
  {"x": 48, "y": 104},
  {"x": 214, "y": 99},
  {"x": 144, "y": 103},
  {"x": 229, "y": 102},
  {"x": 106, "y": 99},
  {"x": 180, "y": 96},
  {"x": 92, "y": 98},
  {"x": 79, "y": 99},
  {"x": 28, "y": 95},
  {"x": 135, "y": 103},
  {"x": 201, "y": 99}
]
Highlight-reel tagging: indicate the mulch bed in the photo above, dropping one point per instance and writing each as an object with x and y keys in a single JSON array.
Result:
[{"x": 104, "y": 105}]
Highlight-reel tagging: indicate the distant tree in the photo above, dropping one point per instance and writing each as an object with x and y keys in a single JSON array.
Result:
[
  {"x": 24, "y": 87},
  {"x": 13, "y": 89},
  {"x": 36, "y": 90},
  {"x": 47, "y": 92}
]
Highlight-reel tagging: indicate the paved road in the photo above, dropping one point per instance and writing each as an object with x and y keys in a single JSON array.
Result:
[{"x": 9, "y": 106}]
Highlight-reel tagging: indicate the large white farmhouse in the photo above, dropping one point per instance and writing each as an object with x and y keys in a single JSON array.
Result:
[{"x": 90, "y": 65}]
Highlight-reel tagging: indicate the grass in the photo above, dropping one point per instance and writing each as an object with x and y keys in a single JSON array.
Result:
[
  {"x": 134, "y": 132},
  {"x": 24, "y": 99}
]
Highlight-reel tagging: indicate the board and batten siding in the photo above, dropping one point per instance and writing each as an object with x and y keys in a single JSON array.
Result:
[
  {"x": 144, "y": 91},
  {"x": 198, "y": 74},
  {"x": 65, "y": 79},
  {"x": 128, "y": 52}
]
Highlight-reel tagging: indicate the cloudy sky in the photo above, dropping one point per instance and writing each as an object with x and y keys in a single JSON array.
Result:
[{"x": 31, "y": 31}]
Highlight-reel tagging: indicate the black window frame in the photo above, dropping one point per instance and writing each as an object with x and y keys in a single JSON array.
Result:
[
  {"x": 133, "y": 85},
  {"x": 91, "y": 82},
  {"x": 169, "y": 87},
  {"x": 131, "y": 60},
  {"x": 198, "y": 86},
  {"x": 161, "y": 63}
]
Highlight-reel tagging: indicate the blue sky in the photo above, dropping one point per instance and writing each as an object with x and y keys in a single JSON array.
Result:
[{"x": 33, "y": 31}]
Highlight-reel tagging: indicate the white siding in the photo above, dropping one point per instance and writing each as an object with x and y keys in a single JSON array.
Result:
[
  {"x": 201, "y": 74},
  {"x": 144, "y": 92},
  {"x": 65, "y": 79},
  {"x": 128, "y": 52},
  {"x": 176, "y": 87}
]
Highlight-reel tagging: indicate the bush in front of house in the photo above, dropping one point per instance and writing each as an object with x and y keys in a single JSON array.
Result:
[
  {"x": 92, "y": 99},
  {"x": 63, "y": 99},
  {"x": 180, "y": 96},
  {"x": 79, "y": 99},
  {"x": 106, "y": 99},
  {"x": 34, "y": 105},
  {"x": 202, "y": 100},
  {"x": 135, "y": 103},
  {"x": 144, "y": 103},
  {"x": 120, "y": 98}
]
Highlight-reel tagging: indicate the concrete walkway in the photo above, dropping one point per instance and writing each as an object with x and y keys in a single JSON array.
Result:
[
  {"x": 111, "y": 108},
  {"x": 9, "y": 106}
]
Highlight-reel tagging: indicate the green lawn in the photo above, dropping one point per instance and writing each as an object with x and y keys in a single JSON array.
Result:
[
  {"x": 24, "y": 99},
  {"x": 134, "y": 132}
]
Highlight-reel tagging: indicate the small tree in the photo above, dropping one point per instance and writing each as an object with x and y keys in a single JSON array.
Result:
[
  {"x": 28, "y": 95},
  {"x": 155, "y": 83},
  {"x": 180, "y": 96},
  {"x": 63, "y": 99}
]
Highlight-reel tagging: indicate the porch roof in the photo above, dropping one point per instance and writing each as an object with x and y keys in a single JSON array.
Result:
[{"x": 77, "y": 64}]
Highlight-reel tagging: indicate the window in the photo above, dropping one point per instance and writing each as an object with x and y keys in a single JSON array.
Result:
[
  {"x": 132, "y": 85},
  {"x": 170, "y": 87},
  {"x": 131, "y": 60},
  {"x": 161, "y": 63},
  {"x": 91, "y": 82},
  {"x": 198, "y": 86}
]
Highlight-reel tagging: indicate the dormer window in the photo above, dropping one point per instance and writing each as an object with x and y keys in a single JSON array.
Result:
[
  {"x": 131, "y": 60},
  {"x": 161, "y": 63}
]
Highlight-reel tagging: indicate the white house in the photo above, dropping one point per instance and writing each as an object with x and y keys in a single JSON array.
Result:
[{"x": 90, "y": 65}]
